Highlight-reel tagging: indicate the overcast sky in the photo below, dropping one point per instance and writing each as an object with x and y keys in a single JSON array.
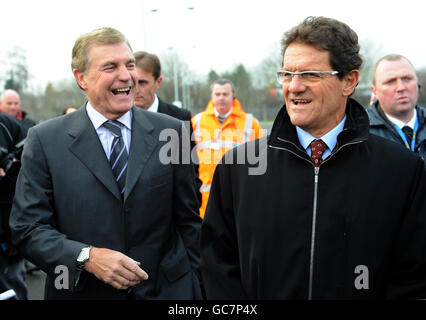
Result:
[{"x": 216, "y": 34}]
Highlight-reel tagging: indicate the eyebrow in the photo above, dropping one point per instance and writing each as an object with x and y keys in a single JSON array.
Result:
[
  {"x": 112, "y": 62},
  {"x": 398, "y": 77}
]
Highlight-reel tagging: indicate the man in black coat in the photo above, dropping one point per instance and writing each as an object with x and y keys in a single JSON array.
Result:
[
  {"x": 148, "y": 68},
  {"x": 321, "y": 209},
  {"x": 12, "y": 268},
  {"x": 395, "y": 115}
]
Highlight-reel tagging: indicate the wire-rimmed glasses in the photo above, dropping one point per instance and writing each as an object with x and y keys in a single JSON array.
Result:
[{"x": 306, "y": 77}]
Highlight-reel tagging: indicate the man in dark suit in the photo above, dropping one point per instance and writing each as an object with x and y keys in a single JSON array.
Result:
[
  {"x": 148, "y": 69},
  {"x": 96, "y": 207},
  {"x": 12, "y": 268}
]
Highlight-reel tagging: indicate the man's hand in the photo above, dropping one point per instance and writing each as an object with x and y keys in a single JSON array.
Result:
[{"x": 114, "y": 268}]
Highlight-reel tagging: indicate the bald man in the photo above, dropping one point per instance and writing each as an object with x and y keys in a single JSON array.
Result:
[
  {"x": 10, "y": 103},
  {"x": 395, "y": 115}
]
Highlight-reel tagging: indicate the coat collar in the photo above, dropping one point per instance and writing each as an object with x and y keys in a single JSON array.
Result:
[
  {"x": 236, "y": 108},
  {"x": 377, "y": 116},
  {"x": 379, "y": 119},
  {"x": 86, "y": 146},
  {"x": 284, "y": 133}
]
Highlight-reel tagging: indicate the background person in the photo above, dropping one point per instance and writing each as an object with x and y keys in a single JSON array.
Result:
[
  {"x": 12, "y": 267},
  {"x": 221, "y": 127},
  {"x": 148, "y": 69},
  {"x": 69, "y": 109},
  {"x": 395, "y": 115},
  {"x": 10, "y": 103}
]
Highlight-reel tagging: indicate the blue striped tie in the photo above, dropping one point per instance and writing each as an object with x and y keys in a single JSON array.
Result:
[{"x": 119, "y": 156}]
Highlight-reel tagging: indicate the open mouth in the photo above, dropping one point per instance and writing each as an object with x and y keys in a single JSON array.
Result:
[
  {"x": 121, "y": 91},
  {"x": 301, "y": 101}
]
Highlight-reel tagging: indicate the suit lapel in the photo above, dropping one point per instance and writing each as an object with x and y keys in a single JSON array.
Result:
[
  {"x": 87, "y": 147},
  {"x": 161, "y": 106},
  {"x": 141, "y": 147}
]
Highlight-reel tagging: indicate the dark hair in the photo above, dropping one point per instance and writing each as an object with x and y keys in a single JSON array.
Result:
[
  {"x": 148, "y": 62},
  {"x": 331, "y": 35},
  {"x": 222, "y": 82}
]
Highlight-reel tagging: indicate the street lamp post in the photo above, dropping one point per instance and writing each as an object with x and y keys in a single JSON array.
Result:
[
  {"x": 175, "y": 69},
  {"x": 143, "y": 25},
  {"x": 176, "y": 75}
]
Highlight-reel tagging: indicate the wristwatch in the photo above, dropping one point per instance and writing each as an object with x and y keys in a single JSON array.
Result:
[{"x": 83, "y": 257}]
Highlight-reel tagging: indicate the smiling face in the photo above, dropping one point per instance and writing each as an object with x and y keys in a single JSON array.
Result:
[
  {"x": 320, "y": 106},
  {"x": 111, "y": 81},
  {"x": 396, "y": 88},
  {"x": 11, "y": 103}
]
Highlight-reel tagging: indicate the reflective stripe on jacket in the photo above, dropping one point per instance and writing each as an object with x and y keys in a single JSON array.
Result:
[{"x": 214, "y": 139}]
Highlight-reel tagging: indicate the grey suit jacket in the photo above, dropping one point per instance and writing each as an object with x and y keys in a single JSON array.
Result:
[
  {"x": 184, "y": 115},
  {"x": 67, "y": 198}
]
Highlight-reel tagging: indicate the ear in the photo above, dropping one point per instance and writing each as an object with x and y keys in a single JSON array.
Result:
[
  {"x": 158, "y": 82},
  {"x": 373, "y": 89},
  {"x": 80, "y": 78},
  {"x": 350, "y": 82}
]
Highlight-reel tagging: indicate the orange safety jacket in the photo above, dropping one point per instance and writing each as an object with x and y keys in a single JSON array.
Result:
[{"x": 214, "y": 139}]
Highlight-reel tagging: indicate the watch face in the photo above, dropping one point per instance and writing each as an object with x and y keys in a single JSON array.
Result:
[{"x": 84, "y": 255}]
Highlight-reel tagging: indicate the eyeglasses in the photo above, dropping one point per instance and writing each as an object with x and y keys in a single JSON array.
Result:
[{"x": 306, "y": 77}]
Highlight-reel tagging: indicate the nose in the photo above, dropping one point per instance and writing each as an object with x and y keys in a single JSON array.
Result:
[
  {"x": 124, "y": 73},
  {"x": 401, "y": 85},
  {"x": 296, "y": 85}
]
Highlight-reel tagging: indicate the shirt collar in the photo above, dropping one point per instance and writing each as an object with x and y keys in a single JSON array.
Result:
[
  {"x": 226, "y": 115},
  {"x": 98, "y": 118},
  {"x": 400, "y": 123},
  {"x": 154, "y": 106},
  {"x": 330, "y": 138}
]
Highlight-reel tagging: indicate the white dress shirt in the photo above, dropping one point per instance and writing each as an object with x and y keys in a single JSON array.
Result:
[
  {"x": 225, "y": 116},
  {"x": 401, "y": 124},
  {"x": 154, "y": 106},
  {"x": 105, "y": 136}
]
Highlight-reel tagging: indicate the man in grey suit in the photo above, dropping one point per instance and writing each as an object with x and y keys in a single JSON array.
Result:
[{"x": 95, "y": 201}]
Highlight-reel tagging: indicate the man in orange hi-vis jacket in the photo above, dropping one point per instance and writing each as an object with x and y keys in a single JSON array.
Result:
[{"x": 222, "y": 126}]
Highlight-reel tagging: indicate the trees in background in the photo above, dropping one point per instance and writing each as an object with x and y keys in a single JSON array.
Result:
[
  {"x": 53, "y": 100},
  {"x": 370, "y": 53},
  {"x": 421, "y": 74},
  {"x": 194, "y": 90},
  {"x": 256, "y": 88},
  {"x": 14, "y": 72}
]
